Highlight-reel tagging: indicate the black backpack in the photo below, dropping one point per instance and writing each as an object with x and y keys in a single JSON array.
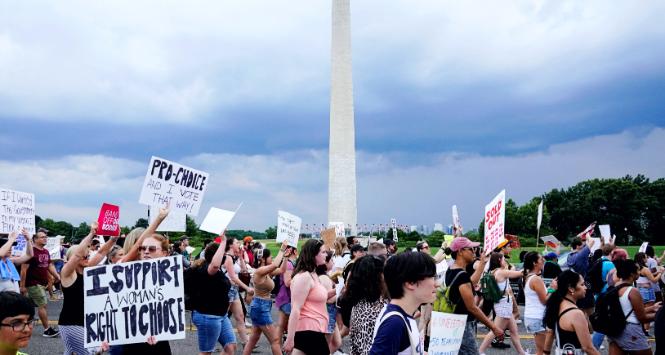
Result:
[
  {"x": 595, "y": 276},
  {"x": 608, "y": 318}
]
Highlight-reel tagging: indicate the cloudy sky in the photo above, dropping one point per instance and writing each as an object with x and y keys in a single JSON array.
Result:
[{"x": 454, "y": 101}]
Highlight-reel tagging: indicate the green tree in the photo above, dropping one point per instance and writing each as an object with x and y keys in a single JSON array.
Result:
[
  {"x": 141, "y": 223},
  {"x": 271, "y": 232}
]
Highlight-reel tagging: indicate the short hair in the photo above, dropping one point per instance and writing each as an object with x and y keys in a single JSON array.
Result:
[
  {"x": 575, "y": 243},
  {"x": 356, "y": 248},
  {"x": 626, "y": 268},
  {"x": 14, "y": 304},
  {"x": 607, "y": 249},
  {"x": 388, "y": 242},
  {"x": 419, "y": 245},
  {"x": 349, "y": 240},
  {"x": 376, "y": 247},
  {"x": 210, "y": 251},
  {"x": 407, "y": 267}
]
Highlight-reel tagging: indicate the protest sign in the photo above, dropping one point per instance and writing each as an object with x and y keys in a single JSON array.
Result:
[
  {"x": 19, "y": 248},
  {"x": 217, "y": 220},
  {"x": 288, "y": 228},
  {"x": 17, "y": 211},
  {"x": 588, "y": 232},
  {"x": 109, "y": 215},
  {"x": 596, "y": 244},
  {"x": 393, "y": 224},
  {"x": 495, "y": 215},
  {"x": 456, "y": 220},
  {"x": 328, "y": 236},
  {"x": 605, "y": 232},
  {"x": 175, "y": 221},
  {"x": 178, "y": 186},
  {"x": 550, "y": 241},
  {"x": 339, "y": 228},
  {"x": 446, "y": 332},
  {"x": 643, "y": 247},
  {"x": 128, "y": 302},
  {"x": 53, "y": 247}
]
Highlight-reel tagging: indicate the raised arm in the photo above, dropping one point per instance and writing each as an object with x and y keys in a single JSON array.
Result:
[
  {"x": 8, "y": 246},
  {"x": 440, "y": 254},
  {"x": 133, "y": 253},
  {"x": 103, "y": 251},
  {"x": 276, "y": 262},
  {"x": 480, "y": 268},
  {"x": 29, "y": 252},
  {"x": 216, "y": 261},
  {"x": 79, "y": 253}
]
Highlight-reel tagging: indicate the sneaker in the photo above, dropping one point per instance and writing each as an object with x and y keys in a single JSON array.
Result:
[
  {"x": 51, "y": 333},
  {"x": 499, "y": 345}
]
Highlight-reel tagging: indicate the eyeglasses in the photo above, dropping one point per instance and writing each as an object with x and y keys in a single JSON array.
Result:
[
  {"x": 18, "y": 326},
  {"x": 151, "y": 249},
  {"x": 467, "y": 248},
  {"x": 425, "y": 247}
]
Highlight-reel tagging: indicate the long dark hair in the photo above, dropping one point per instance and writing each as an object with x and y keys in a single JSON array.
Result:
[
  {"x": 641, "y": 260},
  {"x": 495, "y": 261},
  {"x": 307, "y": 259},
  {"x": 323, "y": 269},
  {"x": 530, "y": 260},
  {"x": 366, "y": 281},
  {"x": 567, "y": 279},
  {"x": 229, "y": 242}
]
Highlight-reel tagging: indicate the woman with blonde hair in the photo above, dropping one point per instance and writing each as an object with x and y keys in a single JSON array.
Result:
[{"x": 342, "y": 254}]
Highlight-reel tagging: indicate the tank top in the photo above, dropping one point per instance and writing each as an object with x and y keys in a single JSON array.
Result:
[
  {"x": 627, "y": 307},
  {"x": 314, "y": 314},
  {"x": 72, "y": 306},
  {"x": 566, "y": 339},
  {"x": 643, "y": 279},
  {"x": 532, "y": 306},
  {"x": 263, "y": 286}
]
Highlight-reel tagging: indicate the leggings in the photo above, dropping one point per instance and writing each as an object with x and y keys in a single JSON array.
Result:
[
  {"x": 72, "y": 337},
  {"x": 311, "y": 343}
]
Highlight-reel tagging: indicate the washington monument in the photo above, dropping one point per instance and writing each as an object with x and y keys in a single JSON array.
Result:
[{"x": 342, "y": 149}]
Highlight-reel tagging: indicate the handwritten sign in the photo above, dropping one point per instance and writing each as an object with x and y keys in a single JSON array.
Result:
[
  {"x": 605, "y": 232},
  {"x": 328, "y": 236},
  {"x": 128, "y": 302},
  {"x": 446, "y": 333},
  {"x": 457, "y": 223},
  {"x": 339, "y": 228},
  {"x": 53, "y": 247},
  {"x": 19, "y": 248},
  {"x": 217, "y": 220},
  {"x": 175, "y": 221},
  {"x": 179, "y": 186},
  {"x": 495, "y": 215},
  {"x": 288, "y": 228},
  {"x": 17, "y": 211},
  {"x": 109, "y": 215}
]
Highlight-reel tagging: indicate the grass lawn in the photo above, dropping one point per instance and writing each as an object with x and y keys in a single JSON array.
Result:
[{"x": 632, "y": 249}]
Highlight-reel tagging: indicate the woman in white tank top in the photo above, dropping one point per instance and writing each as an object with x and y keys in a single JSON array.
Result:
[{"x": 535, "y": 297}]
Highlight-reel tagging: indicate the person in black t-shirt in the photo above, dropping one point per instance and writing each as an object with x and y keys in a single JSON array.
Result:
[
  {"x": 461, "y": 292},
  {"x": 551, "y": 270}
]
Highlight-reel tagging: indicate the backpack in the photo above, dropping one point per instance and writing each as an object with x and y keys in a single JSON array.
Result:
[
  {"x": 595, "y": 276},
  {"x": 608, "y": 318},
  {"x": 443, "y": 303},
  {"x": 489, "y": 288}
]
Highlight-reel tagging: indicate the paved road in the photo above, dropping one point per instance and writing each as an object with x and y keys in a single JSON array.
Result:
[{"x": 40, "y": 345}]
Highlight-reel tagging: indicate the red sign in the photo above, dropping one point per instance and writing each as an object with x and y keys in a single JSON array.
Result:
[{"x": 108, "y": 220}]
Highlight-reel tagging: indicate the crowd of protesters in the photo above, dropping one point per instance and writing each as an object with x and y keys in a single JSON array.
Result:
[{"x": 379, "y": 299}]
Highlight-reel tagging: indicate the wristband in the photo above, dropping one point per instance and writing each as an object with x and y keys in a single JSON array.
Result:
[{"x": 551, "y": 290}]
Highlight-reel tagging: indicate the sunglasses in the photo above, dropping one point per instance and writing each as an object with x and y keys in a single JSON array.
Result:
[{"x": 150, "y": 249}]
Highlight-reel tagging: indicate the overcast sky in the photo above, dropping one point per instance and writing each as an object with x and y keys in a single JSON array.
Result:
[{"x": 454, "y": 101}]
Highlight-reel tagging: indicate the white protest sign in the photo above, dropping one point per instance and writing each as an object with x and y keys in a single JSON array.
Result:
[
  {"x": 457, "y": 223},
  {"x": 217, "y": 220},
  {"x": 339, "y": 228},
  {"x": 17, "y": 211},
  {"x": 179, "y": 186},
  {"x": 540, "y": 215},
  {"x": 175, "y": 221},
  {"x": 53, "y": 246},
  {"x": 288, "y": 228},
  {"x": 19, "y": 248},
  {"x": 643, "y": 247},
  {"x": 596, "y": 244},
  {"x": 605, "y": 232},
  {"x": 446, "y": 332},
  {"x": 495, "y": 215},
  {"x": 128, "y": 302}
]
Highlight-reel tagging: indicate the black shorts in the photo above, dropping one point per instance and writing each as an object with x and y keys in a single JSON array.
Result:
[{"x": 311, "y": 343}]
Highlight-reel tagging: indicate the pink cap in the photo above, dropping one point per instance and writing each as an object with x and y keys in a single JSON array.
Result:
[{"x": 461, "y": 242}]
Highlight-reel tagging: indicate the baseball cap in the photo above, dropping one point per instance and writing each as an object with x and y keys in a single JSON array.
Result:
[
  {"x": 461, "y": 242},
  {"x": 551, "y": 256}
]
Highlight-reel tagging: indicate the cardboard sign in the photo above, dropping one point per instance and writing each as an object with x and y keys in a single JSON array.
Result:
[
  {"x": 495, "y": 215},
  {"x": 175, "y": 221},
  {"x": 643, "y": 247},
  {"x": 179, "y": 186},
  {"x": 339, "y": 228},
  {"x": 109, "y": 215},
  {"x": 457, "y": 223},
  {"x": 605, "y": 232},
  {"x": 328, "y": 236},
  {"x": 217, "y": 220},
  {"x": 446, "y": 332},
  {"x": 19, "y": 248},
  {"x": 53, "y": 246},
  {"x": 128, "y": 302},
  {"x": 17, "y": 211},
  {"x": 288, "y": 228}
]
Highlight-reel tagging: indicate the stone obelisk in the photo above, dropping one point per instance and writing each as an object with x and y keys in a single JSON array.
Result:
[{"x": 342, "y": 149}]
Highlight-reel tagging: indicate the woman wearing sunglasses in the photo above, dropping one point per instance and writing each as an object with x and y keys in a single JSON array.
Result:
[{"x": 71, "y": 319}]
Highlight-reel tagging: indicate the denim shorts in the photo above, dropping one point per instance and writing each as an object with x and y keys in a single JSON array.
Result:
[
  {"x": 259, "y": 311},
  {"x": 534, "y": 325},
  {"x": 286, "y": 308},
  {"x": 332, "y": 313},
  {"x": 648, "y": 294},
  {"x": 212, "y": 329},
  {"x": 632, "y": 338},
  {"x": 233, "y": 293}
]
